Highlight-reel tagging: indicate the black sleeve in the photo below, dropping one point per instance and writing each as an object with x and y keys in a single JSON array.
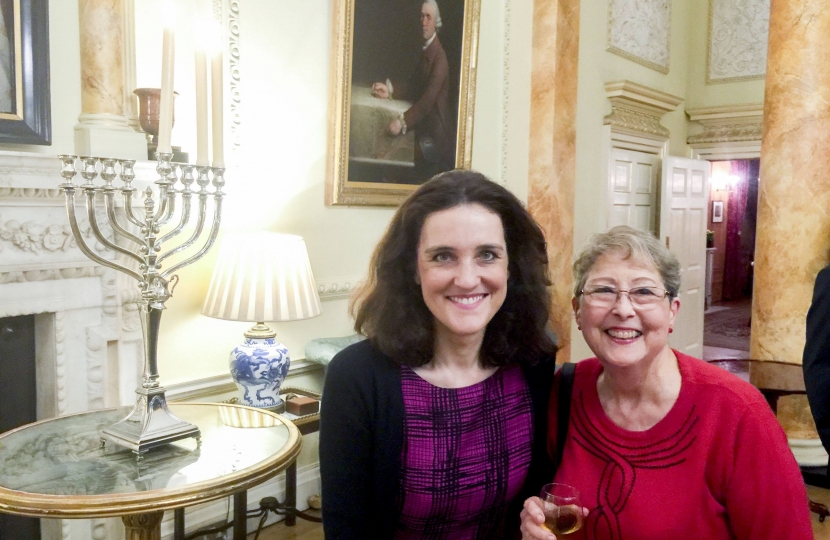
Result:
[
  {"x": 346, "y": 449},
  {"x": 816, "y": 361},
  {"x": 540, "y": 381}
]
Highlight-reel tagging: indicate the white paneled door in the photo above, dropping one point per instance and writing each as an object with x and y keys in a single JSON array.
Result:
[
  {"x": 683, "y": 216},
  {"x": 632, "y": 179}
]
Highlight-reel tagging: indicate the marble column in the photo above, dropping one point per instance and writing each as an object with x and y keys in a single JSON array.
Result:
[
  {"x": 103, "y": 128},
  {"x": 552, "y": 160},
  {"x": 793, "y": 231}
]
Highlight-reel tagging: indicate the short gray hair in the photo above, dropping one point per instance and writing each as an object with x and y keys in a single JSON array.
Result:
[
  {"x": 434, "y": 4},
  {"x": 629, "y": 242}
]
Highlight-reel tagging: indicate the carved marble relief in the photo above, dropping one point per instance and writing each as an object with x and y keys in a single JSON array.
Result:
[
  {"x": 640, "y": 31},
  {"x": 738, "y": 35}
]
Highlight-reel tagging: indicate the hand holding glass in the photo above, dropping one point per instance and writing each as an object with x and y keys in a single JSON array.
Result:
[{"x": 563, "y": 511}]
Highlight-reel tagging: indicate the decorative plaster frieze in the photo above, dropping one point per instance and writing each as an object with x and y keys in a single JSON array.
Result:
[
  {"x": 99, "y": 529},
  {"x": 24, "y": 274},
  {"x": 35, "y": 236},
  {"x": 728, "y": 133},
  {"x": 231, "y": 7},
  {"x": 640, "y": 30},
  {"x": 638, "y": 109},
  {"x": 628, "y": 120},
  {"x": 60, "y": 361},
  {"x": 738, "y": 35},
  {"x": 727, "y": 124},
  {"x": 130, "y": 319},
  {"x": 96, "y": 350},
  {"x": 337, "y": 288},
  {"x": 31, "y": 193},
  {"x": 235, "y": 76}
]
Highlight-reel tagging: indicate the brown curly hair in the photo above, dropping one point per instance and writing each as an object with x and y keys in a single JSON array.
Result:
[{"x": 389, "y": 308}]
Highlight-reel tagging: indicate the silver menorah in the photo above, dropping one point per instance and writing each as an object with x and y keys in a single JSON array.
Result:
[{"x": 150, "y": 423}]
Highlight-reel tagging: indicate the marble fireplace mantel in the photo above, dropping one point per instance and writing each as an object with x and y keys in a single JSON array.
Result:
[{"x": 88, "y": 337}]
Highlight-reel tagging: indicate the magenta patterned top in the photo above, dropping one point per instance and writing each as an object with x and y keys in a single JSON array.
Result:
[{"x": 465, "y": 455}]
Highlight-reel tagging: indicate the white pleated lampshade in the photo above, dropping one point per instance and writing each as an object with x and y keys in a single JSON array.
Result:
[{"x": 262, "y": 277}]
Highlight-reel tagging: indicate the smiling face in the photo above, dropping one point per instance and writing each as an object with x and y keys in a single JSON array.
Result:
[
  {"x": 462, "y": 269},
  {"x": 427, "y": 21},
  {"x": 622, "y": 334}
]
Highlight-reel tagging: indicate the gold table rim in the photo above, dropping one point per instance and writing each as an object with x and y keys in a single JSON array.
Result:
[{"x": 115, "y": 505}]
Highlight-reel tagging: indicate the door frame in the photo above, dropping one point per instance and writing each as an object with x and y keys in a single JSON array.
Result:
[{"x": 612, "y": 139}]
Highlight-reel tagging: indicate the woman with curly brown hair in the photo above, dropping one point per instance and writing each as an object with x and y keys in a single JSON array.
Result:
[{"x": 435, "y": 426}]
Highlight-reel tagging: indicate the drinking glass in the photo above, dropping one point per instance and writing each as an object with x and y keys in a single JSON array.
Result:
[{"x": 563, "y": 511}]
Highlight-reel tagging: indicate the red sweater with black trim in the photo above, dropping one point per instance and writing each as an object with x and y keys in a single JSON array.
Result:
[{"x": 716, "y": 467}]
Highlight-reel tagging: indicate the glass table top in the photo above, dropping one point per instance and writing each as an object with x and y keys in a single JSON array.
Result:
[{"x": 64, "y": 456}]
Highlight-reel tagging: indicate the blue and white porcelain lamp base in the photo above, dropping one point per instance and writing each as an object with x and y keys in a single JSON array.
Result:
[{"x": 259, "y": 366}]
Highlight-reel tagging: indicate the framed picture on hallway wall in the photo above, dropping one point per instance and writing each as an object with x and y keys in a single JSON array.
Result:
[
  {"x": 25, "y": 108},
  {"x": 717, "y": 211},
  {"x": 402, "y": 95}
]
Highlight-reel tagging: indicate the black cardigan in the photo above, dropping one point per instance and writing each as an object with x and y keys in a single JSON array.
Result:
[
  {"x": 816, "y": 359},
  {"x": 361, "y": 437}
]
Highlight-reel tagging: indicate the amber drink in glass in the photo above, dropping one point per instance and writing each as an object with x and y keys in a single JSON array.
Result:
[{"x": 563, "y": 511}]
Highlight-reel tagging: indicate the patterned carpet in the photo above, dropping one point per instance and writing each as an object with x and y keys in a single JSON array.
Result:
[{"x": 728, "y": 328}]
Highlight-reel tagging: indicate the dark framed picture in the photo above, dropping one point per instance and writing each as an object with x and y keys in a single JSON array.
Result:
[
  {"x": 717, "y": 211},
  {"x": 402, "y": 95},
  {"x": 25, "y": 111}
]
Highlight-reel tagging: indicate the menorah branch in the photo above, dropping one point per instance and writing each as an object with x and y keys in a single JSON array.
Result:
[
  {"x": 96, "y": 229},
  {"x": 109, "y": 204},
  {"x": 81, "y": 243},
  {"x": 150, "y": 423}
]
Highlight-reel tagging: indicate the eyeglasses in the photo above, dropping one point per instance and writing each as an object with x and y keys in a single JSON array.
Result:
[{"x": 641, "y": 297}]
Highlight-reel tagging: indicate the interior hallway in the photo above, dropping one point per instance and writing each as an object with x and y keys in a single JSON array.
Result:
[{"x": 726, "y": 330}]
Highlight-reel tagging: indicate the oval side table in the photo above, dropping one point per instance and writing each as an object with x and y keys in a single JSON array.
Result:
[{"x": 58, "y": 468}]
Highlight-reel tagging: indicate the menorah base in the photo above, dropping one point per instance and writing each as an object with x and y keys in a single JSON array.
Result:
[{"x": 150, "y": 424}]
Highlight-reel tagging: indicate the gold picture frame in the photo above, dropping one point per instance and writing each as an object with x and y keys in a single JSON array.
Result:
[{"x": 367, "y": 165}]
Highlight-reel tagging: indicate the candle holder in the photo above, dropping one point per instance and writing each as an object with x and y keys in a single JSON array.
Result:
[
  {"x": 150, "y": 423},
  {"x": 149, "y": 101}
]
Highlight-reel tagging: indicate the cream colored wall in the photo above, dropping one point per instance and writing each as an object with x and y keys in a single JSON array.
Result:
[
  {"x": 699, "y": 93},
  {"x": 279, "y": 182},
  {"x": 64, "y": 80},
  {"x": 597, "y": 67}
]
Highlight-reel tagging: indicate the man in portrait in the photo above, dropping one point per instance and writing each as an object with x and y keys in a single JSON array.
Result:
[{"x": 430, "y": 116}]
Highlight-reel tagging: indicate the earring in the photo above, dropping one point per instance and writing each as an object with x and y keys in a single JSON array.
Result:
[{"x": 671, "y": 330}]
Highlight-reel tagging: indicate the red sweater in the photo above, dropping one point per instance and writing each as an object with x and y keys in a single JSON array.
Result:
[{"x": 716, "y": 467}]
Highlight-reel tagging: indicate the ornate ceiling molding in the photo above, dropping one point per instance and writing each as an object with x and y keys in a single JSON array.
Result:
[
  {"x": 637, "y": 109},
  {"x": 737, "y": 44},
  {"x": 727, "y": 124},
  {"x": 640, "y": 30}
]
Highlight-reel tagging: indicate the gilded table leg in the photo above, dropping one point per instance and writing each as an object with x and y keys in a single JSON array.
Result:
[{"x": 143, "y": 526}]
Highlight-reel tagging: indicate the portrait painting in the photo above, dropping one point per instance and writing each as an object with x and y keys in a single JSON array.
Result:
[
  {"x": 717, "y": 211},
  {"x": 8, "y": 66},
  {"x": 25, "y": 112},
  {"x": 402, "y": 96}
]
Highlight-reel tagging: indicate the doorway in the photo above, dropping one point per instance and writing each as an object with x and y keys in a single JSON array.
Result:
[{"x": 733, "y": 211}]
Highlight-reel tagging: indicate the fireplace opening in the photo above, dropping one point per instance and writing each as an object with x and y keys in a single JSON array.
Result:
[{"x": 18, "y": 401}]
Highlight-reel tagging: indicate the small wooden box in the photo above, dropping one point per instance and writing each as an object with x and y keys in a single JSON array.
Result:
[{"x": 302, "y": 405}]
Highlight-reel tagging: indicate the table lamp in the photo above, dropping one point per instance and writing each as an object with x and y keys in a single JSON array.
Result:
[{"x": 261, "y": 277}]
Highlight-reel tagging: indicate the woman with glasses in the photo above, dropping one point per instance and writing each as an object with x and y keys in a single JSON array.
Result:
[
  {"x": 435, "y": 426},
  {"x": 660, "y": 444}
]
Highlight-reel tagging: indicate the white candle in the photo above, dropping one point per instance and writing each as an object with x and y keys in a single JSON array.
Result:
[
  {"x": 217, "y": 111},
  {"x": 166, "y": 105},
  {"x": 201, "y": 109}
]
